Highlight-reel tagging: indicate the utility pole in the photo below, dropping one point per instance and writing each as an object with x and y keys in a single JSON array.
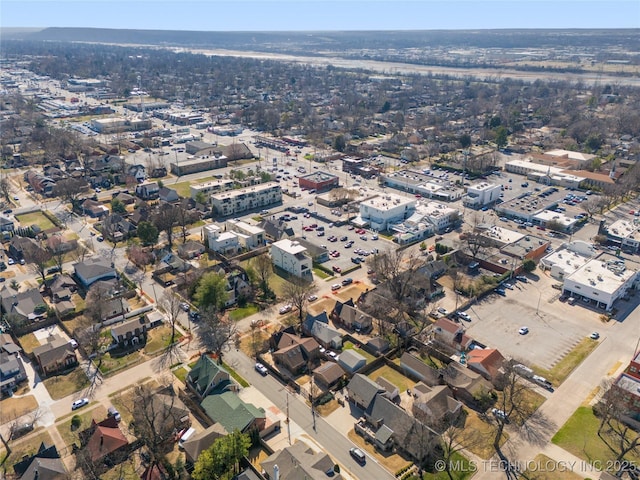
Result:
[{"x": 287, "y": 420}]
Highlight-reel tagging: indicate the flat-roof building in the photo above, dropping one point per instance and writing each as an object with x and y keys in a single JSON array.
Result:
[
  {"x": 209, "y": 188},
  {"x": 196, "y": 165},
  {"x": 292, "y": 257},
  {"x": 482, "y": 194},
  {"x": 435, "y": 185},
  {"x": 626, "y": 234},
  {"x": 319, "y": 181},
  {"x": 381, "y": 211},
  {"x": 233, "y": 202}
]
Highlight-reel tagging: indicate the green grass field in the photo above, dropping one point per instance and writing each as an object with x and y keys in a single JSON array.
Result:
[{"x": 35, "y": 218}]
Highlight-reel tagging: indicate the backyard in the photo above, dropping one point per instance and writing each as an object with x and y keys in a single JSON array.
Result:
[
  {"x": 350, "y": 346},
  {"x": 26, "y": 446},
  {"x": 35, "y": 218},
  {"x": 12, "y": 407},
  {"x": 28, "y": 343},
  {"x": 398, "y": 379},
  {"x": 160, "y": 338}
]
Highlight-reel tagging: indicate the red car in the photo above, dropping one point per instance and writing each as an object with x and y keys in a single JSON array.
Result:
[
  {"x": 360, "y": 231},
  {"x": 337, "y": 269}
]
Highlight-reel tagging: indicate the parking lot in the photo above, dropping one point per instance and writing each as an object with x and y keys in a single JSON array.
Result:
[{"x": 554, "y": 327}]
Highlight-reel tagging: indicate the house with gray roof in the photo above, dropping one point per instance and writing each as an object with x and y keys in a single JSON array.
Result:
[
  {"x": 435, "y": 406},
  {"x": 349, "y": 316},
  {"x": 46, "y": 464},
  {"x": 326, "y": 336},
  {"x": 207, "y": 376},
  {"x": 131, "y": 332},
  {"x": 351, "y": 361},
  {"x": 12, "y": 371},
  {"x": 55, "y": 355},
  {"x": 94, "y": 269},
  {"x": 379, "y": 345},
  {"x": 202, "y": 441},
  {"x": 299, "y": 462},
  {"x": 310, "y": 320},
  {"x": 415, "y": 368},
  {"x": 28, "y": 306},
  {"x": 362, "y": 390},
  {"x": 328, "y": 374}
]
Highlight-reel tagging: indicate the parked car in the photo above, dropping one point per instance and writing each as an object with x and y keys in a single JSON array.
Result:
[
  {"x": 443, "y": 311},
  {"x": 312, "y": 298},
  {"x": 464, "y": 316},
  {"x": 358, "y": 455},
  {"x": 79, "y": 403},
  {"x": 285, "y": 309},
  {"x": 522, "y": 278},
  {"x": 260, "y": 368},
  {"x": 501, "y": 291},
  {"x": 594, "y": 336},
  {"x": 347, "y": 281},
  {"x": 336, "y": 286},
  {"x": 337, "y": 269},
  {"x": 113, "y": 412},
  {"x": 523, "y": 330},
  {"x": 500, "y": 414},
  {"x": 185, "y": 306},
  {"x": 73, "y": 343}
]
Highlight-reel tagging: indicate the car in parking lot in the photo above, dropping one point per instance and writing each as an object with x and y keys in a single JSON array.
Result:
[
  {"x": 361, "y": 231},
  {"x": 79, "y": 403},
  {"x": 355, "y": 260},
  {"x": 522, "y": 278},
  {"x": 594, "y": 336},
  {"x": 443, "y": 311},
  {"x": 501, "y": 291},
  {"x": 464, "y": 316},
  {"x": 312, "y": 298},
  {"x": 523, "y": 330},
  {"x": 344, "y": 238},
  {"x": 285, "y": 309},
  {"x": 261, "y": 369},
  {"x": 336, "y": 286},
  {"x": 11, "y": 261},
  {"x": 363, "y": 237},
  {"x": 337, "y": 269},
  {"x": 347, "y": 281}
]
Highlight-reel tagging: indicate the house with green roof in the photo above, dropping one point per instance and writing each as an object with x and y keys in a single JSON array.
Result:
[
  {"x": 207, "y": 376},
  {"x": 232, "y": 413}
]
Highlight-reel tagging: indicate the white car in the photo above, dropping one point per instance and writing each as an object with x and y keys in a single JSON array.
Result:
[
  {"x": 443, "y": 311},
  {"x": 523, "y": 330},
  {"x": 260, "y": 368},
  {"x": 285, "y": 309},
  {"x": 500, "y": 414},
  {"x": 464, "y": 316},
  {"x": 594, "y": 336},
  {"x": 312, "y": 298},
  {"x": 79, "y": 403}
]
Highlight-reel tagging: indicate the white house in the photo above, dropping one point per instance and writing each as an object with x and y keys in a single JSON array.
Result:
[
  {"x": 292, "y": 257},
  {"x": 256, "y": 196},
  {"x": 439, "y": 215},
  {"x": 381, "y": 211},
  {"x": 481, "y": 194},
  {"x": 221, "y": 241},
  {"x": 249, "y": 236}
]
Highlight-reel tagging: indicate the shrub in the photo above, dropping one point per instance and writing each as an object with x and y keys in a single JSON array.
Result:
[{"x": 76, "y": 421}]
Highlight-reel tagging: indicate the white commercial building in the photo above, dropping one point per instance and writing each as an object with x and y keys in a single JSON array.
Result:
[
  {"x": 233, "y": 202},
  {"x": 601, "y": 281},
  {"x": 428, "y": 184},
  {"x": 568, "y": 259},
  {"x": 482, "y": 194},
  {"x": 626, "y": 234},
  {"x": 544, "y": 174},
  {"x": 547, "y": 217},
  {"x": 292, "y": 257},
  {"x": 439, "y": 215},
  {"x": 381, "y": 211}
]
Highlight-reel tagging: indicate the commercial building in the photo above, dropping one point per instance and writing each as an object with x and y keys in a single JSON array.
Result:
[
  {"x": 292, "y": 257},
  {"x": 237, "y": 201},
  {"x": 196, "y": 165},
  {"x": 628, "y": 385},
  {"x": 117, "y": 125},
  {"x": 319, "y": 181},
  {"x": 626, "y": 234},
  {"x": 428, "y": 184},
  {"x": 381, "y": 211},
  {"x": 439, "y": 215},
  {"x": 601, "y": 281},
  {"x": 482, "y": 194},
  {"x": 567, "y": 260}
]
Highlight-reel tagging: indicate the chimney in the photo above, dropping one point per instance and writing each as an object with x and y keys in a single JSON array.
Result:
[{"x": 101, "y": 440}]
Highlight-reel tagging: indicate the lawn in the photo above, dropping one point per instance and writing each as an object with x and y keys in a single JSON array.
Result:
[
  {"x": 485, "y": 430},
  {"x": 571, "y": 360},
  {"x": 350, "y": 346},
  {"x": 531, "y": 401},
  {"x": 26, "y": 446},
  {"x": 327, "y": 408},
  {"x": 244, "y": 312},
  {"x": 184, "y": 188},
  {"x": 160, "y": 338},
  {"x": 62, "y": 385},
  {"x": 70, "y": 436},
  {"x": 235, "y": 375},
  {"x": 112, "y": 364},
  {"x": 12, "y": 407},
  {"x": 399, "y": 380},
  {"x": 35, "y": 218},
  {"x": 391, "y": 461},
  {"x": 29, "y": 342},
  {"x": 321, "y": 274},
  {"x": 579, "y": 436},
  {"x": 124, "y": 471},
  {"x": 181, "y": 373},
  {"x": 545, "y": 468},
  {"x": 461, "y": 469}
]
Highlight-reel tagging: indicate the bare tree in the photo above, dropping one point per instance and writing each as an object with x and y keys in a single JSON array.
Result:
[
  {"x": 70, "y": 189},
  {"x": 216, "y": 331},
  {"x": 38, "y": 257},
  {"x": 170, "y": 304},
  {"x": 166, "y": 218},
  {"x": 455, "y": 439},
  {"x": 296, "y": 292},
  {"x": 264, "y": 269}
]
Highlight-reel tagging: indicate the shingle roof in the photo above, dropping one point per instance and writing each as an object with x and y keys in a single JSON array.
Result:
[
  {"x": 204, "y": 372},
  {"x": 329, "y": 372},
  {"x": 106, "y": 439},
  {"x": 351, "y": 360},
  {"x": 129, "y": 326},
  {"x": 93, "y": 267},
  {"x": 364, "y": 388},
  {"x": 229, "y": 411},
  {"x": 425, "y": 373},
  {"x": 203, "y": 440},
  {"x": 52, "y": 351},
  {"x": 300, "y": 462}
]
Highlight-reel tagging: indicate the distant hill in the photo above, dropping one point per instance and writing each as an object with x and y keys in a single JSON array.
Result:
[{"x": 337, "y": 41}]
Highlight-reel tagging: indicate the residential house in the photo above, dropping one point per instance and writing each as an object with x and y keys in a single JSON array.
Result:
[
  {"x": 291, "y": 257},
  {"x": 310, "y": 320},
  {"x": 45, "y": 464},
  {"x": 487, "y": 362},
  {"x": 27, "y": 306},
  {"x": 351, "y": 361},
  {"x": 148, "y": 191},
  {"x": 249, "y": 236},
  {"x": 190, "y": 249},
  {"x": 131, "y": 332},
  {"x": 12, "y": 371},
  {"x": 138, "y": 172},
  {"x": 276, "y": 230},
  {"x": 116, "y": 227},
  {"x": 465, "y": 384},
  {"x": 57, "y": 244},
  {"x": 207, "y": 376},
  {"x": 168, "y": 195},
  {"x": 225, "y": 243},
  {"x": 6, "y": 224},
  {"x": 299, "y": 462},
  {"x": 435, "y": 405},
  {"x": 202, "y": 441},
  {"x": 326, "y": 336},
  {"x": 347, "y": 315},
  {"x": 232, "y": 413},
  {"x": 295, "y": 353},
  {"x": 391, "y": 391},
  {"x": 55, "y": 356},
  {"x": 104, "y": 442},
  {"x": 94, "y": 269},
  {"x": 61, "y": 287},
  {"x": 415, "y": 368},
  {"x": 328, "y": 374},
  {"x": 94, "y": 209},
  {"x": 125, "y": 198},
  {"x": 362, "y": 390},
  {"x": 19, "y": 247},
  {"x": 451, "y": 334}
]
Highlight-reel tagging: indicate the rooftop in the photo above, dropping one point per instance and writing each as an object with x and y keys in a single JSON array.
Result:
[
  {"x": 606, "y": 273},
  {"x": 624, "y": 229},
  {"x": 388, "y": 201},
  {"x": 291, "y": 247},
  {"x": 243, "y": 191},
  {"x": 318, "y": 177}
]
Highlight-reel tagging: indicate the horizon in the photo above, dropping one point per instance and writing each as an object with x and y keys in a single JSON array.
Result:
[{"x": 321, "y": 16}]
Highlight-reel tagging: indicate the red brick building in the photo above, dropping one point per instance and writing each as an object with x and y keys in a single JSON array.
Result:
[{"x": 319, "y": 181}]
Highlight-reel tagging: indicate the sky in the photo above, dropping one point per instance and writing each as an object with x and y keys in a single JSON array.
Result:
[{"x": 305, "y": 15}]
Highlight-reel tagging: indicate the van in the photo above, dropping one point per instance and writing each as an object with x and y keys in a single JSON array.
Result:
[{"x": 186, "y": 436}]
